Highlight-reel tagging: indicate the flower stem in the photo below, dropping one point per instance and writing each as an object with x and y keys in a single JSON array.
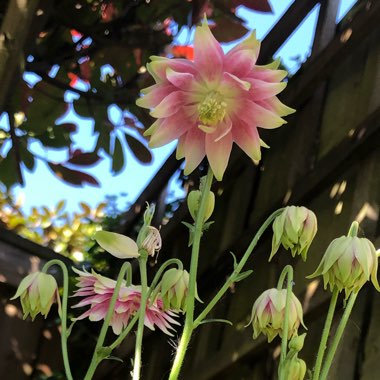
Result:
[
  {"x": 338, "y": 336},
  {"x": 237, "y": 270},
  {"x": 97, "y": 357},
  {"x": 140, "y": 328},
  {"x": 325, "y": 334},
  {"x": 189, "y": 320},
  {"x": 125, "y": 332},
  {"x": 63, "y": 313},
  {"x": 286, "y": 272}
]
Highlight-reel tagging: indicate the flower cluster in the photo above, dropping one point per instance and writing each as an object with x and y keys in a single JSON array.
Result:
[
  {"x": 97, "y": 292},
  {"x": 214, "y": 101}
]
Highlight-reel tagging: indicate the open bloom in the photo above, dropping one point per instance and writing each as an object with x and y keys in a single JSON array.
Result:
[
  {"x": 97, "y": 292},
  {"x": 268, "y": 314},
  {"x": 37, "y": 292},
  {"x": 348, "y": 263},
  {"x": 213, "y": 101},
  {"x": 295, "y": 228}
]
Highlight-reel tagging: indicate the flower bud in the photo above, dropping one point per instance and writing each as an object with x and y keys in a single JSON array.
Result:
[
  {"x": 152, "y": 242},
  {"x": 294, "y": 369},
  {"x": 194, "y": 201},
  {"x": 117, "y": 245},
  {"x": 297, "y": 342},
  {"x": 348, "y": 263},
  {"x": 295, "y": 229},
  {"x": 37, "y": 292},
  {"x": 268, "y": 314},
  {"x": 173, "y": 289}
]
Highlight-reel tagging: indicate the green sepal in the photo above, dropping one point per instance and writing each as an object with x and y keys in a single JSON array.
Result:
[{"x": 216, "y": 320}]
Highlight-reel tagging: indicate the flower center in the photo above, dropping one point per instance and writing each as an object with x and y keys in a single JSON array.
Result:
[{"x": 213, "y": 109}]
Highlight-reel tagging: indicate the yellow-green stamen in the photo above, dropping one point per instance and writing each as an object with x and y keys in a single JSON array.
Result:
[{"x": 212, "y": 110}]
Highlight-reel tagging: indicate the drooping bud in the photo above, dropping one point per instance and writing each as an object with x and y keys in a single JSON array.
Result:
[
  {"x": 194, "y": 201},
  {"x": 37, "y": 292},
  {"x": 268, "y": 314},
  {"x": 152, "y": 242},
  {"x": 117, "y": 245},
  {"x": 294, "y": 368},
  {"x": 173, "y": 289},
  {"x": 295, "y": 228},
  {"x": 348, "y": 263}
]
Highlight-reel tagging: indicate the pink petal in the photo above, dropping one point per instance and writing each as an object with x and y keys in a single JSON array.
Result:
[
  {"x": 276, "y": 106},
  {"x": 193, "y": 149},
  {"x": 247, "y": 138},
  {"x": 170, "y": 129},
  {"x": 183, "y": 81},
  {"x": 208, "y": 54},
  {"x": 154, "y": 95},
  {"x": 157, "y": 68},
  {"x": 169, "y": 105},
  {"x": 255, "y": 115},
  {"x": 268, "y": 75},
  {"x": 218, "y": 153},
  {"x": 261, "y": 90},
  {"x": 235, "y": 81}
]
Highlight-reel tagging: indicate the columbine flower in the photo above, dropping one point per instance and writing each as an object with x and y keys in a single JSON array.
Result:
[
  {"x": 97, "y": 291},
  {"x": 348, "y": 263},
  {"x": 295, "y": 229},
  {"x": 268, "y": 314},
  {"x": 117, "y": 245},
  {"x": 37, "y": 292},
  {"x": 173, "y": 289},
  {"x": 152, "y": 242},
  {"x": 214, "y": 101}
]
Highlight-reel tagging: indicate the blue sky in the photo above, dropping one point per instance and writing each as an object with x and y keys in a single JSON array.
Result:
[{"x": 43, "y": 189}]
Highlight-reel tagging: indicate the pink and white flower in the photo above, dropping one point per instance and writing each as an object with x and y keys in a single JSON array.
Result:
[
  {"x": 97, "y": 292},
  {"x": 214, "y": 101}
]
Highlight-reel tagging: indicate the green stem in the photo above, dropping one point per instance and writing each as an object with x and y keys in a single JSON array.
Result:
[
  {"x": 140, "y": 328},
  {"x": 325, "y": 334},
  {"x": 189, "y": 320},
  {"x": 97, "y": 357},
  {"x": 286, "y": 272},
  {"x": 338, "y": 336},
  {"x": 125, "y": 332},
  {"x": 63, "y": 315},
  {"x": 237, "y": 270}
]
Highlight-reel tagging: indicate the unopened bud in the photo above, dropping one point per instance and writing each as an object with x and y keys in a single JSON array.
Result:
[{"x": 194, "y": 200}]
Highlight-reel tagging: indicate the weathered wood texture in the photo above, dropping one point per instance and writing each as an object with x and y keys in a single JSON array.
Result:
[{"x": 327, "y": 158}]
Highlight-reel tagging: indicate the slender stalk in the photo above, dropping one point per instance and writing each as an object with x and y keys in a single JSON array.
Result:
[
  {"x": 189, "y": 320},
  {"x": 237, "y": 270},
  {"x": 325, "y": 335},
  {"x": 124, "y": 333},
  {"x": 338, "y": 335},
  {"x": 140, "y": 328},
  {"x": 97, "y": 357},
  {"x": 288, "y": 273},
  {"x": 63, "y": 313}
]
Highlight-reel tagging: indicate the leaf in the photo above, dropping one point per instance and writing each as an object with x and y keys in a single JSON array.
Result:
[
  {"x": 27, "y": 158},
  {"x": 55, "y": 137},
  {"x": 256, "y": 5},
  {"x": 74, "y": 177},
  {"x": 68, "y": 127},
  {"x": 84, "y": 159},
  {"x": 216, "y": 320},
  {"x": 235, "y": 260},
  {"x": 60, "y": 206},
  {"x": 86, "y": 208},
  {"x": 8, "y": 169},
  {"x": 243, "y": 275},
  {"x": 228, "y": 29},
  {"x": 140, "y": 151},
  {"x": 118, "y": 160}
]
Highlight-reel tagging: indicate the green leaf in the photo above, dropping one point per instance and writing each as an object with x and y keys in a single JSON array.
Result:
[
  {"x": 118, "y": 160},
  {"x": 235, "y": 260},
  {"x": 243, "y": 275},
  {"x": 8, "y": 169}
]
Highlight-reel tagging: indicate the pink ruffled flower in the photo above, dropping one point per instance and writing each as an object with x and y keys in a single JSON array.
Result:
[
  {"x": 97, "y": 291},
  {"x": 213, "y": 101}
]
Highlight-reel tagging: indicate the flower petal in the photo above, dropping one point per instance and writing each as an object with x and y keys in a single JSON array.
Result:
[
  {"x": 117, "y": 245},
  {"x": 154, "y": 95},
  {"x": 193, "y": 149},
  {"x": 247, "y": 138},
  {"x": 169, "y": 105},
  {"x": 208, "y": 54},
  {"x": 218, "y": 153},
  {"x": 261, "y": 90}
]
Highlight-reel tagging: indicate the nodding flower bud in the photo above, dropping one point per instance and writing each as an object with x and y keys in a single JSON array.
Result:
[
  {"x": 152, "y": 242},
  {"x": 294, "y": 369},
  {"x": 173, "y": 289},
  {"x": 194, "y": 200},
  {"x": 348, "y": 263},
  {"x": 37, "y": 292},
  {"x": 268, "y": 314},
  {"x": 295, "y": 228}
]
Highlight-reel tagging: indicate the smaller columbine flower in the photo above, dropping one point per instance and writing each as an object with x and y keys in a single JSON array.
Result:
[
  {"x": 37, "y": 292},
  {"x": 295, "y": 229},
  {"x": 173, "y": 289},
  {"x": 97, "y": 292},
  {"x": 194, "y": 200},
  {"x": 348, "y": 263},
  {"x": 152, "y": 242},
  {"x": 268, "y": 314},
  {"x": 117, "y": 245}
]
